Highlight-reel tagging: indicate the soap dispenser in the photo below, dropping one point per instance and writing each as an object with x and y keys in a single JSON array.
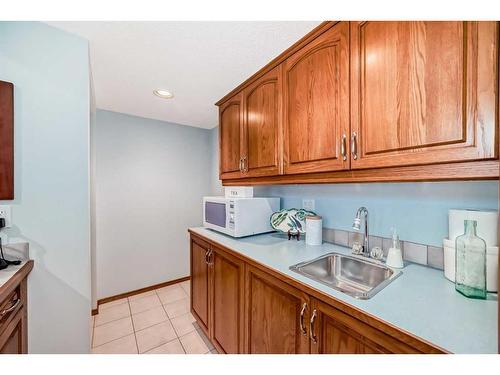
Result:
[{"x": 395, "y": 256}]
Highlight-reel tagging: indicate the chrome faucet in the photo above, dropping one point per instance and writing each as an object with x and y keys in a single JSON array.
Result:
[{"x": 356, "y": 225}]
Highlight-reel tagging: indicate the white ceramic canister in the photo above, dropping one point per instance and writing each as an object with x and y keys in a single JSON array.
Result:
[{"x": 314, "y": 230}]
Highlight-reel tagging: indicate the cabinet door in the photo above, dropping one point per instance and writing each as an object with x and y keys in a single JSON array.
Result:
[
  {"x": 423, "y": 92},
  {"x": 200, "y": 283},
  {"x": 275, "y": 317},
  {"x": 316, "y": 97},
  {"x": 227, "y": 296},
  {"x": 262, "y": 124},
  {"x": 335, "y": 332},
  {"x": 12, "y": 339},
  {"x": 230, "y": 137}
]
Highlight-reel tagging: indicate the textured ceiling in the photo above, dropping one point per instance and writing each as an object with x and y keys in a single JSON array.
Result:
[{"x": 198, "y": 61}]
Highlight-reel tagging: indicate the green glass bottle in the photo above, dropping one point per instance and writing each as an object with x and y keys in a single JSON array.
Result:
[{"x": 470, "y": 263}]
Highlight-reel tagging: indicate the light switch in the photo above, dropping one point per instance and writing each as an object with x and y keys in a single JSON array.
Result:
[
  {"x": 5, "y": 213},
  {"x": 308, "y": 204}
]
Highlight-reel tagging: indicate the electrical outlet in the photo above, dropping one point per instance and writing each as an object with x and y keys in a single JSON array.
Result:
[
  {"x": 5, "y": 213},
  {"x": 308, "y": 204}
]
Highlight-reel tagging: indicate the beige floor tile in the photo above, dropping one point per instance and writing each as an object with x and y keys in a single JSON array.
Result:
[
  {"x": 186, "y": 286},
  {"x": 154, "y": 336},
  {"x": 149, "y": 318},
  {"x": 172, "y": 347},
  {"x": 142, "y": 295},
  {"x": 177, "y": 308},
  {"x": 113, "y": 330},
  {"x": 117, "y": 302},
  {"x": 171, "y": 294},
  {"x": 193, "y": 343},
  {"x": 112, "y": 313},
  {"x": 183, "y": 324},
  {"x": 145, "y": 303},
  {"x": 124, "y": 345}
]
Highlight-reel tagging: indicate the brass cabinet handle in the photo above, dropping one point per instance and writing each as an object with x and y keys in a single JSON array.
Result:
[
  {"x": 206, "y": 256},
  {"x": 354, "y": 146},
  {"x": 245, "y": 164},
  {"x": 311, "y": 327},
  {"x": 10, "y": 309},
  {"x": 343, "y": 147},
  {"x": 302, "y": 328},
  {"x": 241, "y": 164},
  {"x": 209, "y": 262}
]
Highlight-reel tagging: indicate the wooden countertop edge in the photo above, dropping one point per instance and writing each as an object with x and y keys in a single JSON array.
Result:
[
  {"x": 372, "y": 320},
  {"x": 14, "y": 281}
]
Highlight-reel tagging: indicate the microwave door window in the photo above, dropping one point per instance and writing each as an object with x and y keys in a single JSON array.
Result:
[{"x": 215, "y": 213}]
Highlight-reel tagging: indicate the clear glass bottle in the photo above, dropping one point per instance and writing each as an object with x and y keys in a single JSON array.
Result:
[{"x": 470, "y": 263}]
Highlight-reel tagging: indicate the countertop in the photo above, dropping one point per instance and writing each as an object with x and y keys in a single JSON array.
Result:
[
  {"x": 7, "y": 273},
  {"x": 421, "y": 301}
]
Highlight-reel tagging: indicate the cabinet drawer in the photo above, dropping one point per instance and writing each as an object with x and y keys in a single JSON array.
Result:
[{"x": 9, "y": 307}]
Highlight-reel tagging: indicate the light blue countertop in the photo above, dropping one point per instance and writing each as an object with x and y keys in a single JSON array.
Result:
[{"x": 421, "y": 301}]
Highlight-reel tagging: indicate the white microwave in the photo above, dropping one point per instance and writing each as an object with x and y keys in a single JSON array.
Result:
[{"x": 239, "y": 217}]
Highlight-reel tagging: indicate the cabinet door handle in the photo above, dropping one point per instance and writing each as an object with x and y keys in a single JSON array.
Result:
[
  {"x": 210, "y": 257},
  {"x": 354, "y": 146},
  {"x": 311, "y": 327},
  {"x": 245, "y": 164},
  {"x": 302, "y": 328},
  {"x": 206, "y": 256},
  {"x": 12, "y": 308},
  {"x": 343, "y": 147},
  {"x": 241, "y": 164}
]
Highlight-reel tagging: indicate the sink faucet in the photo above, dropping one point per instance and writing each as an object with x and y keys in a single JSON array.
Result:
[{"x": 356, "y": 225}]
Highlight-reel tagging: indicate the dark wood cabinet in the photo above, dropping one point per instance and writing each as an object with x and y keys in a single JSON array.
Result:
[
  {"x": 200, "y": 282},
  {"x": 423, "y": 92},
  {"x": 6, "y": 140},
  {"x": 316, "y": 92},
  {"x": 369, "y": 101},
  {"x": 262, "y": 113},
  {"x": 228, "y": 278},
  {"x": 276, "y": 315},
  {"x": 14, "y": 312}
]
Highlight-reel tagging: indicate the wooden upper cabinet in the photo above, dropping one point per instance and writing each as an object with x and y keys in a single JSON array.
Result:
[
  {"x": 423, "y": 92},
  {"x": 228, "y": 279},
  {"x": 262, "y": 125},
  {"x": 275, "y": 317},
  {"x": 316, "y": 104},
  {"x": 230, "y": 137}
]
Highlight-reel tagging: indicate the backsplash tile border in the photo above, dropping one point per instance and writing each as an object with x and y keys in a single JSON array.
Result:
[{"x": 427, "y": 255}]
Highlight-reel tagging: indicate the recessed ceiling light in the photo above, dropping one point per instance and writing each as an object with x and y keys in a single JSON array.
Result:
[{"x": 164, "y": 94}]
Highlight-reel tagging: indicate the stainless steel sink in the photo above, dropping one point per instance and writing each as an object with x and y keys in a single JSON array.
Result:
[{"x": 357, "y": 277}]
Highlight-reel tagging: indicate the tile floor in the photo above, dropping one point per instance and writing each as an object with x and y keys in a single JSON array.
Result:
[{"x": 154, "y": 322}]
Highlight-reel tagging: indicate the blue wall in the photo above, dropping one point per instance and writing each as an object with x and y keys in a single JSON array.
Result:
[
  {"x": 50, "y": 72},
  {"x": 419, "y": 211}
]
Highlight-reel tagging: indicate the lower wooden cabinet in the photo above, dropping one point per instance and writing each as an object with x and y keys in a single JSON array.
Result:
[
  {"x": 200, "y": 282},
  {"x": 14, "y": 313},
  {"x": 217, "y": 295},
  {"x": 276, "y": 315},
  {"x": 244, "y": 307},
  {"x": 227, "y": 299}
]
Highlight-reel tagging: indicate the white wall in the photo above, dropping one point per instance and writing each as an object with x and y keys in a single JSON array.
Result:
[
  {"x": 49, "y": 69},
  {"x": 150, "y": 179}
]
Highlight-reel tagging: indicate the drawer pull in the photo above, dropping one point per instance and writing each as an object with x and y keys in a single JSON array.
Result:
[
  {"x": 12, "y": 308},
  {"x": 311, "y": 328},
  {"x": 302, "y": 328}
]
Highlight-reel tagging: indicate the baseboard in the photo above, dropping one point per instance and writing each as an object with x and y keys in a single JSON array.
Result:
[{"x": 137, "y": 291}]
